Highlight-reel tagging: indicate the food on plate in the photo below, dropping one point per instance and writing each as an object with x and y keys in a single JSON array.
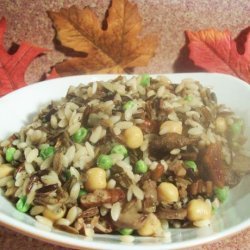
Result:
[{"x": 126, "y": 156}]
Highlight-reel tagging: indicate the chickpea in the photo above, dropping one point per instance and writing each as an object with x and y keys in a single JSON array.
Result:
[
  {"x": 198, "y": 210},
  {"x": 152, "y": 226},
  {"x": 96, "y": 179},
  {"x": 171, "y": 127},
  {"x": 55, "y": 214},
  {"x": 133, "y": 137},
  {"x": 5, "y": 170},
  {"x": 220, "y": 124},
  {"x": 167, "y": 192}
]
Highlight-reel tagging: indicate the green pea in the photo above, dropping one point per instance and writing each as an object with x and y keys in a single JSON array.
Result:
[
  {"x": 126, "y": 231},
  {"x": 222, "y": 193},
  {"x": 236, "y": 128},
  {"x": 9, "y": 155},
  {"x": 191, "y": 164},
  {"x": 188, "y": 98},
  {"x": 119, "y": 149},
  {"x": 46, "y": 152},
  {"x": 82, "y": 192},
  {"x": 22, "y": 206},
  {"x": 80, "y": 135},
  {"x": 104, "y": 161},
  {"x": 128, "y": 105},
  {"x": 141, "y": 167},
  {"x": 145, "y": 80}
]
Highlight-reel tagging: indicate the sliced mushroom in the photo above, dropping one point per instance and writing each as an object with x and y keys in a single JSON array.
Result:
[
  {"x": 150, "y": 196},
  {"x": 166, "y": 213},
  {"x": 102, "y": 196},
  {"x": 130, "y": 217},
  {"x": 162, "y": 145}
]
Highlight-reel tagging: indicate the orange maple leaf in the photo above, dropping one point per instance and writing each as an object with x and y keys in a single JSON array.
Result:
[
  {"x": 216, "y": 51},
  {"x": 111, "y": 50}
]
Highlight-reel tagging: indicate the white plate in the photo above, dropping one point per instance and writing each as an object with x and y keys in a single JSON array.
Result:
[{"x": 17, "y": 108}]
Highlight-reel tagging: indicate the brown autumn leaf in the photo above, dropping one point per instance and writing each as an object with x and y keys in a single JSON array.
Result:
[{"x": 111, "y": 50}]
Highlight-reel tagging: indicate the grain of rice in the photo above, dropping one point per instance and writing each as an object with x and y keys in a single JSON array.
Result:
[
  {"x": 72, "y": 214},
  {"x": 53, "y": 122},
  {"x": 165, "y": 165},
  {"x": 124, "y": 125},
  {"x": 160, "y": 91},
  {"x": 70, "y": 154},
  {"x": 89, "y": 231},
  {"x": 115, "y": 211},
  {"x": 4, "y": 143},
  {"x": 44, "y": 221},
  {"x": 111, "y": 184},
  {"x": 46, "y": 163},
  {"x": 10, "y": 191},
  {"x": 31, "y": 156},
  {"x": 117, "y": 131},
  {"x": 153, "y": 165},
  {"x": 1, "y": 160},
  {"x": 103, "y": 211},
  {"x": 150, "y": 93},
  {"x": 36, "y": 210},
  {"x": 138, "y": 193},
  {"x": 29, "y": 168},
  {"x": 175, "y": 151},
  {"x": 90, "y": 149},
  {"x": 144, "y": 145},
  {"x": 17, "y": 154},
  {"x": 63, "y": 221},
  {"x": 31, "y": 194},
  {"x": 167, "y": 237},
  {"x": 129, "y": 194},
  {"x": 63, "y": 123},
  {"x": 10, "y": 183},
  {"x": 127, "y": 168},
  {"x": 202, "y": 223},
  {"x": 116, "y": 157},
  {"x": 4, "y": 180},
  {"x": 20, "y": 177},
  {"x": 74, "y": 172},
  {"x": 137, "y": 178},
  {"x": 74, "y": 192},
  {"x": 74, "y": 128},
  {"x": 127, "y": 238},
  {"x": 96, "y": 134},
  {"x": 173, "y": 117},
  {"x": 216, "y": 203},
  {"x": 49, "y": 179},
  {"x": 195, "y": 131}
]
